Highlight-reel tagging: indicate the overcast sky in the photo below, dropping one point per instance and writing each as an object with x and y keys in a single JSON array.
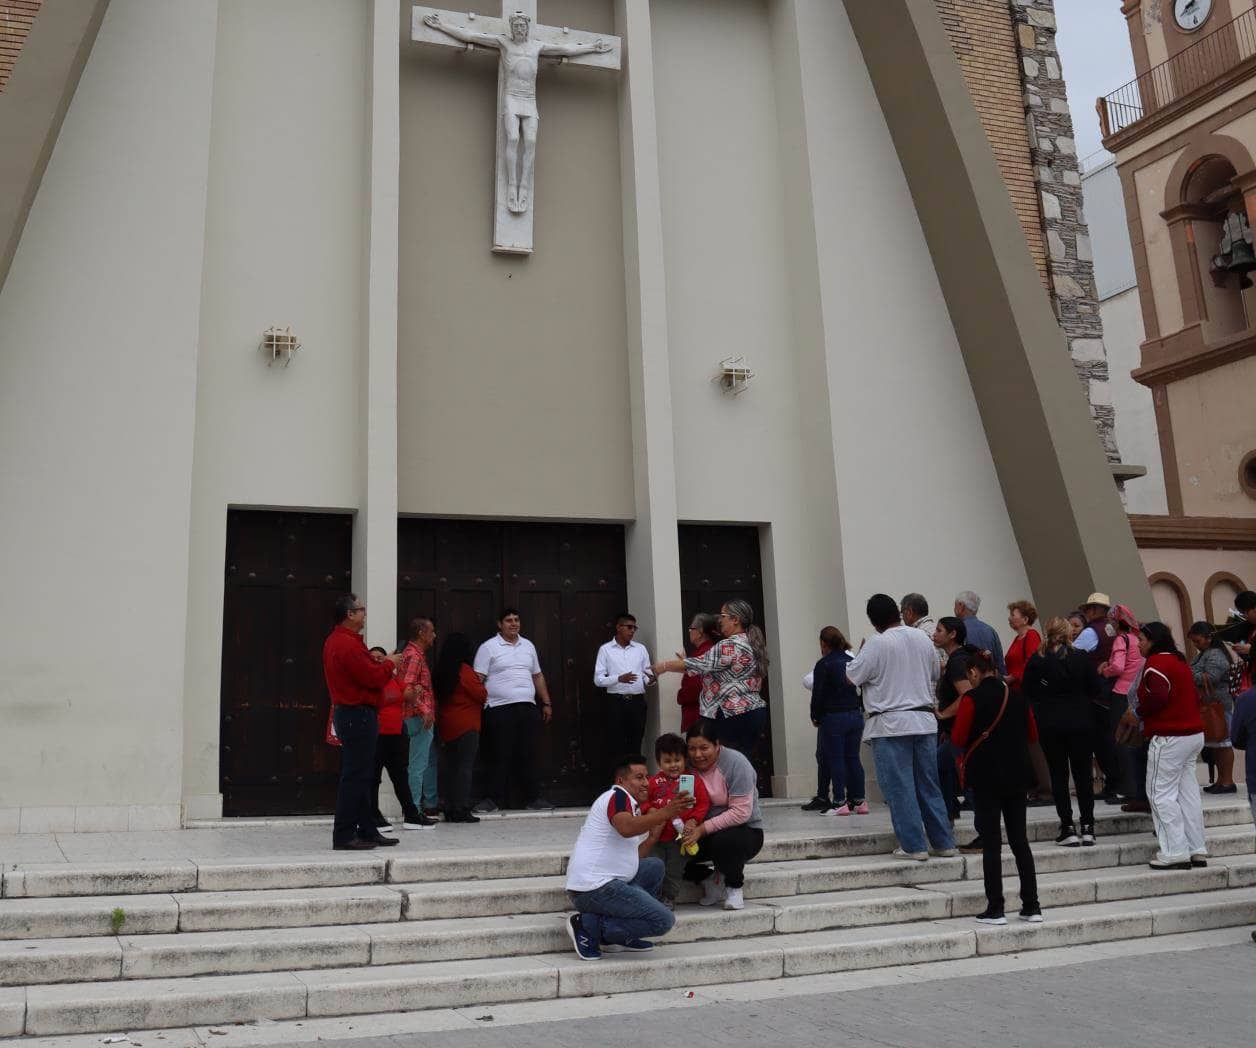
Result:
[{"x": 1095, "y": 53}]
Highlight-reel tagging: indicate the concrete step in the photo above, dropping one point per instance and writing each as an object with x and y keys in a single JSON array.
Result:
[
  {"x": 199, "y": 911},
  {"x": 175, "y": 1002},
  {"x": 203, "y": 911},
  {"x": 832, "y": 838},
  {"x": 35, "y": 962}
]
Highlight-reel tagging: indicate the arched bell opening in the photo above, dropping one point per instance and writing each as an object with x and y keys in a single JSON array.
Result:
[{"x": 1223, "y": 245}]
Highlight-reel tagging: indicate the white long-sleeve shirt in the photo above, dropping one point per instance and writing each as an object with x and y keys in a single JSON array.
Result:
[{"x": 613, "y": 659}]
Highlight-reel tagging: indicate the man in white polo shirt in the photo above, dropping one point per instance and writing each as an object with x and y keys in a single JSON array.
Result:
[
  {"x": 622, "y": 670},
  {"x": 612, "y": 881},
  {"x": 511, "y": 672}
]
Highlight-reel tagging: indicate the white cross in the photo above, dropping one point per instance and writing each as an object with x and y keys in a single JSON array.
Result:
[{"x": 519, "y": 49}]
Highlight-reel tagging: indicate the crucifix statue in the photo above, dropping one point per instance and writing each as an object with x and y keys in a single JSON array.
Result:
[{"x": 520, "y": 44}]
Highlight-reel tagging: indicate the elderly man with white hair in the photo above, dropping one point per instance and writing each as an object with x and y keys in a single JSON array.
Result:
[{"x": 979, "y": 633}]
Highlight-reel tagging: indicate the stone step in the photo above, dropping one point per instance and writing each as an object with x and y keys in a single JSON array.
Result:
[
  {"x": 145, "y": 914},
  {"x": 200, "y": 911},
  {"x": 203, "y": 1000},
  {"x": 36, "y": 962},
  {"x": 832, "y": 838}
]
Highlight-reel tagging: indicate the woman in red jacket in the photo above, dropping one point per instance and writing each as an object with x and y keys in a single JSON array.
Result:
[
  {"x": 1168, "y": 706},
  {"x": 704, "y": 630},
  {"x": 460, "y": 696}
]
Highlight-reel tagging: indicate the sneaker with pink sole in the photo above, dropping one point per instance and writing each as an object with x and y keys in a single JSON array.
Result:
[
  {"x": 861, "y": 808},
  {"x": 843, "y": 810}
]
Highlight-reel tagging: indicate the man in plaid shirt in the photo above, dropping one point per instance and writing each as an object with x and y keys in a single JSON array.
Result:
[{"x": 418, "y": 710}]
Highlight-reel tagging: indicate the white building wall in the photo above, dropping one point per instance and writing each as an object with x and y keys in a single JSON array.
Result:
[
  {"x": 285, "y": 244},
  {"x": 98, "y": 347},
  {"x": 1120, "y": 309}
]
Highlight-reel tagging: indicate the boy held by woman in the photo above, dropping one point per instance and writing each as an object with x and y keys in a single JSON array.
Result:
[{"x": 671, "y": 751}]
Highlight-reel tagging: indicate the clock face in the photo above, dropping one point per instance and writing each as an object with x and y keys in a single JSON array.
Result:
[{"x": 1191, "y": 14}]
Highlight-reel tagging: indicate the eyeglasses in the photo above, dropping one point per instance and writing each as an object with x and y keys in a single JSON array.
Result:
[
  {"x": 626, "y": 626},
  {"x": 360, "y": 607}
]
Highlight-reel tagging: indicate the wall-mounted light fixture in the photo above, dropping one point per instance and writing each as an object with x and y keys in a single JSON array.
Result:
[
  {"x": 279, "y": 344},
  {"x": 733, "y": 375}
]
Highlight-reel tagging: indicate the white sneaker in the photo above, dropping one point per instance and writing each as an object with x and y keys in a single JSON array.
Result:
[
  {"x": 734, "y": 900},
  {"x": 712, "y": 890},
  {"x": 912, "y": 856},
  {"x": 943, "y": 853}
]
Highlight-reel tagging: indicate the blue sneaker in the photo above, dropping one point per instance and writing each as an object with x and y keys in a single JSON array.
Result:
[
  {"x": 631, "y": 946},
  {"x": 586, "y": 948}
]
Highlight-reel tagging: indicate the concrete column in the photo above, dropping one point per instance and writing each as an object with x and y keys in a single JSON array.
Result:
[
  {"x": 375, "y": 530},
  {"x": 653, "y": 550}
]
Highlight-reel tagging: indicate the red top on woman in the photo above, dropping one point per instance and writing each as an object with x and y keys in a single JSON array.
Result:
[
  {"x": 691, "y": 690},
  {"x": 390, "y": 709},
  {"x": 1168, "y": 702},
  {"x": 1019, "y": 652},
  {"x": 461, "y": 712}
]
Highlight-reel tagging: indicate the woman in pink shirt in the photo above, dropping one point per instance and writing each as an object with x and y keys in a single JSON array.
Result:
[
  {"x": 732, "y": 833},
  {"x": 1123, "y": 666}
]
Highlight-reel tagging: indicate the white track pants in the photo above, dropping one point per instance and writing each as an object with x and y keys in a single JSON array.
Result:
[{"x": 1176, "y": 806}]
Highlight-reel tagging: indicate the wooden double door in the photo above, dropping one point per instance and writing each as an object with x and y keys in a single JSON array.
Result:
[
  {"x": 283, "y": 573},
  {"x": 568, "y": 581},
  {"x": 719, "y": 563}
]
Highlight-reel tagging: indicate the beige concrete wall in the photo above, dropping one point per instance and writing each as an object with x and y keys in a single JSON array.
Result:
[
  {"x": 891, "y": 367},
  {"x": 512, "y": 372},
  {"x": 98, "y": 320},
  {"x": 1149, "y": 183},
  {"x": 1213, "y": 429},
  {"x": 285, "y": 242}
]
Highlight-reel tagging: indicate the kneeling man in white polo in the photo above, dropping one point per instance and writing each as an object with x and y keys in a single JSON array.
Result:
[{"x": 612, "y": 880}]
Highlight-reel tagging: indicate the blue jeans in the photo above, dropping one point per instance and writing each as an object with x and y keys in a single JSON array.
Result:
[
  {"x": 907, "y": 772},
  {"x": 422, "y": 762},
  {"x": 841, "y": 733},
  {"x": 620, "y": 911}
]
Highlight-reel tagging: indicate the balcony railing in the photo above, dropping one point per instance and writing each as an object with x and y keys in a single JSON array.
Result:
[{"x": 1204, "y": 61}]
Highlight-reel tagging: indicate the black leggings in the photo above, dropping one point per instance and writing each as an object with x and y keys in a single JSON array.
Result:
[
  {"x": 989, "y": 805},
  {"x": 728, "y": 850},
  {"x": 1066, "y": 737},
  {"x": 392, "y": 753}
]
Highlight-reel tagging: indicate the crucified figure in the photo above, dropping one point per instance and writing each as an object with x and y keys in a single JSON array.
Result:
[{"x": 520, "y": 59}]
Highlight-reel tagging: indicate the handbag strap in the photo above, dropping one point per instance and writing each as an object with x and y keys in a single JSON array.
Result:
[{"x": 993, "y": 724}]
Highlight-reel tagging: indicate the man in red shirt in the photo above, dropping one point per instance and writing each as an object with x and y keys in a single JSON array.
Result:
[
  {"x": 355, "y": 681},
  {"x": 418, "y": 711}
]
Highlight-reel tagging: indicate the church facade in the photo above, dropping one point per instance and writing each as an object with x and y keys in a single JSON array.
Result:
[{"x": 778, "y": 335}]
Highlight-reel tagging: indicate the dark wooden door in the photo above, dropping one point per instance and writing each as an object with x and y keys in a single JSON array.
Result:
[
  {"x": 568, "y": 582},
  {"x": 283, "y": 572},
  {"x": 720, "y": 563}
]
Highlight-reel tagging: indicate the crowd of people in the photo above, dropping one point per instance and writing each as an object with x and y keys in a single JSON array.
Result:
[{"x": 951, "y": 719}]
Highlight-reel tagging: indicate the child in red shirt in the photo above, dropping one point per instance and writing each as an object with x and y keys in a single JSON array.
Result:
[{"x": 670, "y": 751}]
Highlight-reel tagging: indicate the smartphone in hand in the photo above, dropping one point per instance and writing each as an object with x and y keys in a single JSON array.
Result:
[{"x": 686, "y": 784}]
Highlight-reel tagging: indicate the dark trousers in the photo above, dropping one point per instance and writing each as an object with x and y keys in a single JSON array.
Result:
[
  {"x": 459, "y": 757},
  {"x": 1066, "y": 737},
  {"x": 1126, "y": 764},
  {"x": 728, "y": 851},
  {"x": 511, "y": 742},
  {"x": 989, "y": 805},
  {"x": 625, "y": 726},
  {"x": 948, "y": 774},
  {"x": 822, "y": 768},
  {"x": 843, "y": 732},
  {"x": 357, "y": 727},
  {"x": 1104, "y": 743},
  {"x": 743, "y": 732},
  {"x": 392, "y": 753}
]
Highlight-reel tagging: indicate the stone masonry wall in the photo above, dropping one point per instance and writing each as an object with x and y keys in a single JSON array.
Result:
[
  {"x": 1007, "y": 52},
  {"x": 1070, "y": 261}
]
